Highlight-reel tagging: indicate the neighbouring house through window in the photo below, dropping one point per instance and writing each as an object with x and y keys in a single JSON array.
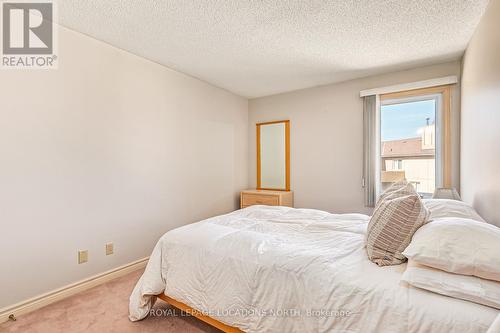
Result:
[{"x": 410, "y": 144}]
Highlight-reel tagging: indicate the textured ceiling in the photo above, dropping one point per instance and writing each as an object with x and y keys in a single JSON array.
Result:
[{"x": 258, "y": 48}]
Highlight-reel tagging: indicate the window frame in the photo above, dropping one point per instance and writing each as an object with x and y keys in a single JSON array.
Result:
[{"x": 442, "y": 95}]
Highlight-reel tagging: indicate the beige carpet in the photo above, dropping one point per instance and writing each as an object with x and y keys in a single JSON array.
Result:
[{"x": 103, "y": 309}]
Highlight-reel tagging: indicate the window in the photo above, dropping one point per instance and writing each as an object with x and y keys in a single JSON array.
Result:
[
  {"x": 413, "y": 139},
  {"x": 397, "y": 164}
]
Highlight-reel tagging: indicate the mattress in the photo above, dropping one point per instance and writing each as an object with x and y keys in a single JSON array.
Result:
[{"x": 280, "y": 269}]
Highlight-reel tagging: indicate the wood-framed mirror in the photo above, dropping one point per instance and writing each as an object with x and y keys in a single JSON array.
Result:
[{"x": 273, "y": 155}]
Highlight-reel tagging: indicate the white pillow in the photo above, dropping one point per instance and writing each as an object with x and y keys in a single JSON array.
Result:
[
  {"x": 457, "y": 245},
  {"x": 469, "y": 288},
  {"x": 450, "y": 208}
]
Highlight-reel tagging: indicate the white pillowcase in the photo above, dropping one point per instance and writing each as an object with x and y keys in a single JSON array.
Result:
[
  {"x": 450, "y": 208},
  {"x": 469, "y": 288},
  {"x": 457, "y": 245}
]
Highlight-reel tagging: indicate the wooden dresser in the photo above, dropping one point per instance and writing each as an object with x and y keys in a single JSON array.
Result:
[{"x": 266, "y": 197}]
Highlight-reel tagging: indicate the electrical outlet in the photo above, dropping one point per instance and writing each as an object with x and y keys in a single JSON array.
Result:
[
  {"x": 83, "y": 256},
  {"x": 109, "y": 249}
]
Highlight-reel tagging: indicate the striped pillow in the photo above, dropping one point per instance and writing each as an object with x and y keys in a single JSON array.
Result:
[
  {"x": 392, "y": 225},
  {"x": 399, "y": 188}
]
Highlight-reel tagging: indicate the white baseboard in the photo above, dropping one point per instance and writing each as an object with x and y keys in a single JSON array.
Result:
[{"x": 69, "y": 290}]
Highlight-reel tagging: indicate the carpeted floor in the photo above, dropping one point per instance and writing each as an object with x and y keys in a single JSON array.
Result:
[{"x": 103, "y": 309}]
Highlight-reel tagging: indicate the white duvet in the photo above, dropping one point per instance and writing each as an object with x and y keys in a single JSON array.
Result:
[{"x": 279, "y": 269}]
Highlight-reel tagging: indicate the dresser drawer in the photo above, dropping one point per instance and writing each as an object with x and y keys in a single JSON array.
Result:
[
  {"x": 259, "y": 199},
  {"x": 266, "y": 197}
]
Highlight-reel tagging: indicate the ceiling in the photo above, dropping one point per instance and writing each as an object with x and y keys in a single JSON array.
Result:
[{"x": 259, "y": 48}]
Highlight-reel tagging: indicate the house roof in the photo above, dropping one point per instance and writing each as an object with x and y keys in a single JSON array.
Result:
[{"x": 411, "y": 147}]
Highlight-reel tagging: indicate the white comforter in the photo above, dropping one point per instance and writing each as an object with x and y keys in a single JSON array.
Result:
[{"x": 279, "y": 269}]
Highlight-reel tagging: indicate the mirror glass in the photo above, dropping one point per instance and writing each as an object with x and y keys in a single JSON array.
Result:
[{"x": 273, "y": 152}]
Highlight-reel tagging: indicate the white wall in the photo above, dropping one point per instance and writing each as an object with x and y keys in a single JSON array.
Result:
[
  {"x": 326, "y": 136},
  {"x": 480, "y": 178},
  {"x": 110, "y": 147}
]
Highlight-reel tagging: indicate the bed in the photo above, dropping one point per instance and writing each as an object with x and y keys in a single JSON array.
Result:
[{"x": 280, "y": 269}]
